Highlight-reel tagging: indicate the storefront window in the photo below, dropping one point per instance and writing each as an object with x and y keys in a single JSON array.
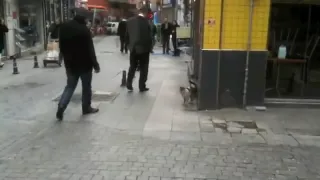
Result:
[
  {"x": 30, "y": 22},
  {"x": 294, "y": 40},
  {"x": 3, "y": 53}
]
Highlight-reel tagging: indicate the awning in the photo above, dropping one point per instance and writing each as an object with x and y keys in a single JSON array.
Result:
[
  {"x": 97, "y": 4},
  {"x": 97, "y": 7}
]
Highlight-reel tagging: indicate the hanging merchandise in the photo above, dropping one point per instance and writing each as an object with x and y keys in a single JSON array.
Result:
[{"x": 65, "y": 7}]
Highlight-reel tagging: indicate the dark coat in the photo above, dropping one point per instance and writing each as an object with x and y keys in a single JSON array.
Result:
[
  {"x": 54, "y": 29},
  {"x": 154, "y": 29},
  {"x": 174, "y": 30},
  {"x": 165, "y": 32},
  {"x": 139, "y": 34},
  {"x": 3, "y": 31},
  {"x": 76, "y": 46},
  {"x": 122, "y": 28}
]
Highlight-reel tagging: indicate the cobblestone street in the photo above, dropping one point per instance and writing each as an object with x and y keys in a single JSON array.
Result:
[{"x": 137, "y": 136}]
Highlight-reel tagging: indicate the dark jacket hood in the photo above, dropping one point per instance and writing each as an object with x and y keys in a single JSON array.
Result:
[{"x": 80, "y": 19}]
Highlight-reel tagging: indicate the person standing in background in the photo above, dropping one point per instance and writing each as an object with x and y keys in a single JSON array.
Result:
[
  {"x": 121, "y": 32},
  {"x": 54, "y": 29},
  {"x": 165, "y": 34},
  {"x": 3, "y": 31},
  {"x": 174, "y": 37},
  {"x": 154, "y": 34}
]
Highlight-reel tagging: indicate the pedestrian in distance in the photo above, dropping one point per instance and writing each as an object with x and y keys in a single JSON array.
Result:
[
  {"x": 154, "y": 33},
  {"x": 3, "y": 31},
  {"x": 174, "y": 37},
  {"x": 165, "y": 34},
  {"x": 121, "y": 32},
  {"x": 140, "y": 46},
  {"x": 76, "y": 46}
]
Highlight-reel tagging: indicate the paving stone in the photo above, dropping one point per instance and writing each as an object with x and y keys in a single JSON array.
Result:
[
  {"x": 234, "y": 125},
  {"x": 218, "y": 121},
  {"x": 249, "y": 131},
  {"x": 234, "y": 129}
]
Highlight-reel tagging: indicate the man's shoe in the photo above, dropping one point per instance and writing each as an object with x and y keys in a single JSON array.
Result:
[
  {"x": 130, "y": 88},
  {"x": 90, "y": 111},
  {"x": 1, "y": 65},
  {"x": 59, "y": 114},
  {"x": 144, "y": 89}
]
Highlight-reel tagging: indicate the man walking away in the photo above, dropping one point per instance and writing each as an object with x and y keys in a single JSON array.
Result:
[
  {"x": 122, "y": 28},
  {"x": 3, "y": 31},
  {"x": 77, "y": 48},
  {"x": 154, "y": 33},
  {"x": 165, "y": 34},
  {"x": 140, "y": 42},
  {"x": 54, "y": 31}
]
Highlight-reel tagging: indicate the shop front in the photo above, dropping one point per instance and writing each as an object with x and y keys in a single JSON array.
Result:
[
  {"x": 295, "y": 31},
  {"x": 30, "y": 22},
  {"x": 253, "y": 52},
  {"x": 2, "y": 13},
  {"x": 230, "y": 52}
]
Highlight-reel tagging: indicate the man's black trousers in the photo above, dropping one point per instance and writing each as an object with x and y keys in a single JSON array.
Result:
[
  {"x": 123, "y": 44},
  {"x": 165, "y": 44},
  {"x": 140, "y": 60}
]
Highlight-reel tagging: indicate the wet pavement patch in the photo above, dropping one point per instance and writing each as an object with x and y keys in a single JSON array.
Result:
[
  {"x": 106, "y": 52},
  {"x": 97, "y": 96},
  {"x": 27, "y": 85},
  {"x": 307, "y": 132}
]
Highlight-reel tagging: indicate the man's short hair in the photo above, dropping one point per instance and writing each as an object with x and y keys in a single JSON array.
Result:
[{"x": 144, "y": 9}]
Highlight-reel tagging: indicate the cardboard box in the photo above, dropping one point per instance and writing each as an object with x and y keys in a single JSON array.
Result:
[{"x": 53, "y": 46}]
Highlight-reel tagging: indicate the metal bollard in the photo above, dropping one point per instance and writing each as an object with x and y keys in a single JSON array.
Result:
[
  {"x": 36, "y": 64},
  {"x": 124, "y": 78},
  {"x": 15, "y": 66}
]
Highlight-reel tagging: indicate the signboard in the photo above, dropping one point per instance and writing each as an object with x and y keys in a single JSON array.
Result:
[
  {"x": 65, "y": 10},
  {"x": 211, "y": 22}
]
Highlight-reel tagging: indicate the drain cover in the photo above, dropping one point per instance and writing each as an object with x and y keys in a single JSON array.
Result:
[{"x": 100, "y": 96}]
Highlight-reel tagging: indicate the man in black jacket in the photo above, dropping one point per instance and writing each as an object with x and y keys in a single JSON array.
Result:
[
  {"x": 140, "y": 44},
  {"x": 122, "y": 29},
  {"x": 77, "y": 48},
  {"x": 165, "y": 34}
]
